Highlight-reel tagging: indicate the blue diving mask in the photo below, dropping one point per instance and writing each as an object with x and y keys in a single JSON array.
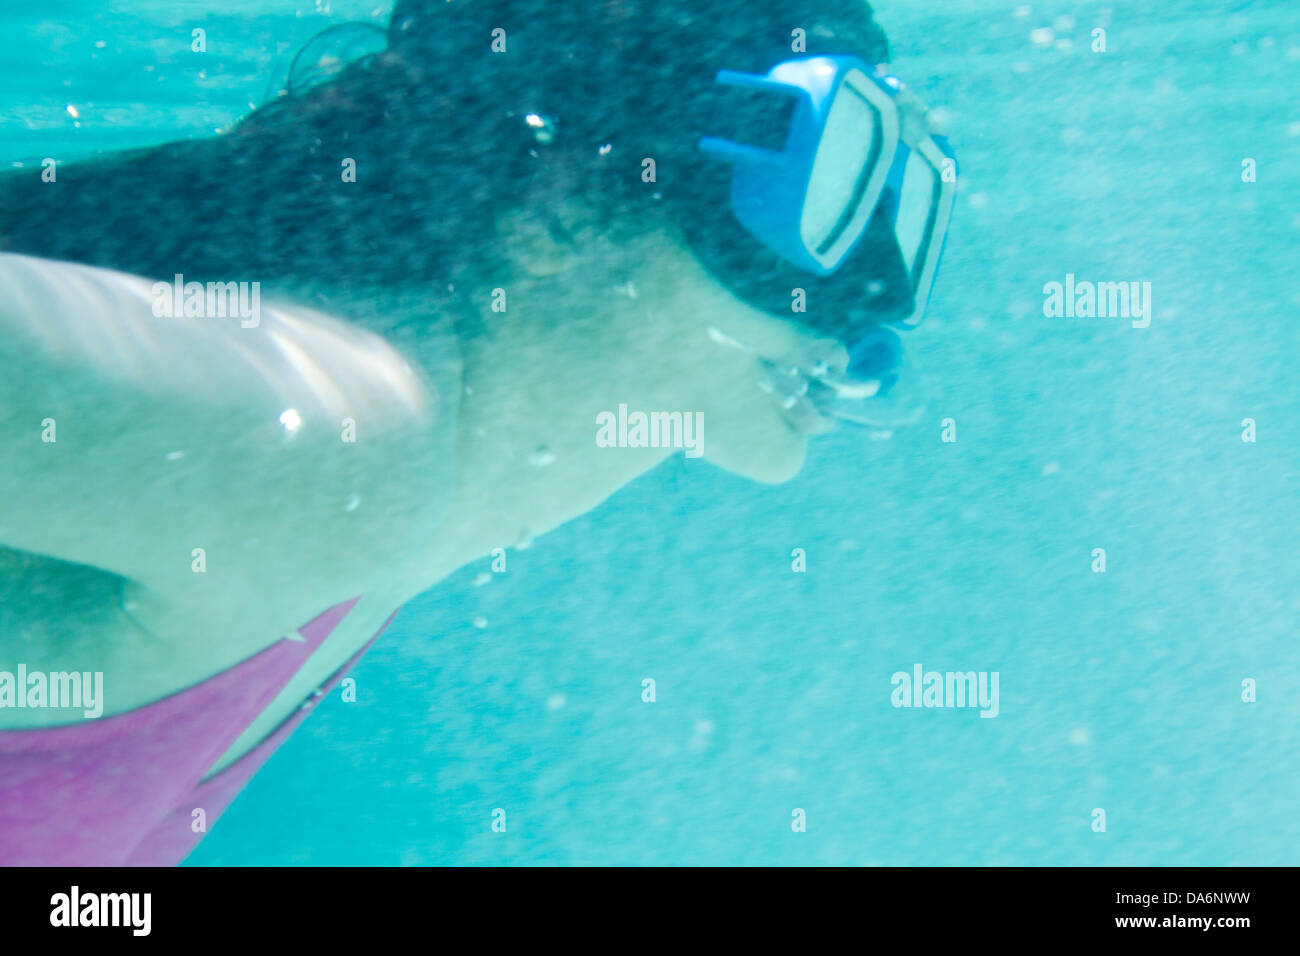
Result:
[{"x": 843, "y": 191}]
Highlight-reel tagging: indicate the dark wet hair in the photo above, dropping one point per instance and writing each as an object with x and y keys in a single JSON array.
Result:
[{"x": 437, "y": 128}]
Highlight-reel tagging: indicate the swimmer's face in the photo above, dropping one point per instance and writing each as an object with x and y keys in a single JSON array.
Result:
[
  {"x": 657, "y": 329},
  {"x": 719, "y": 339}
]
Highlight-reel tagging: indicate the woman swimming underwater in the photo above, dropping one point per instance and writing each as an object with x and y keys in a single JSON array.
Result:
[{"x": 258, "y": 390}]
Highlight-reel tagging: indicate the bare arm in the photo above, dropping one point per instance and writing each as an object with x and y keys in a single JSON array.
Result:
[{"x": 128, "y": 441}]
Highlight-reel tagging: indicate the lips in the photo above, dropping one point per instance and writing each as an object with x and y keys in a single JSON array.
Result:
[
  {"x": 808, "y": 382},
  {"x": 788, "y": 387},
  {"x": 814, "y": 391}
]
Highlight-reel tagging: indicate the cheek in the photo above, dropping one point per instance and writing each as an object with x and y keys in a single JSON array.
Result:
[{"x": 764, "y": 334}]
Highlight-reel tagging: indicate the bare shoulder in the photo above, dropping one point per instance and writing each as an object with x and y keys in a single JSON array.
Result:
[{"x": 235, "y": 478}]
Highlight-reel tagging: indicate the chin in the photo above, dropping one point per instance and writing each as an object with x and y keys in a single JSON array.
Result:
[{"x": 772, "y": 457}]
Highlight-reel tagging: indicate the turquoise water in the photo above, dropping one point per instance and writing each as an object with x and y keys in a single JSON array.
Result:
[{"x": 1119, "y": 691}]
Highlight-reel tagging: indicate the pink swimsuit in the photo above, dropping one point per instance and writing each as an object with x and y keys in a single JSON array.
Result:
[{"x": 121, "y": 790}]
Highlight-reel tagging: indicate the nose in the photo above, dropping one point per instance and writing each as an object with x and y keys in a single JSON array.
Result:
[{"x": 875, "y": 356}]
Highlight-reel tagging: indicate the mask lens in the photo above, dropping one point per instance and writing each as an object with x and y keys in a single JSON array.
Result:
[
  {"x": 841, "y": 170},
  {"x": 849, "y": 168},
  {"x": 917, "y": 203},
  {"x": 924, "y": 208}
]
